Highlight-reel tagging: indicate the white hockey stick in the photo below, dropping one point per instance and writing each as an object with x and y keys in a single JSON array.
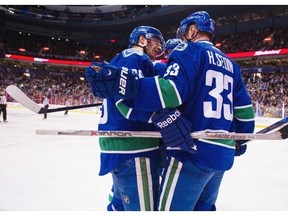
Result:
[
  {"x": 279, "y": 133},
  {"x": 273, "y": 127},
  {"x": 23, "y": 99}
]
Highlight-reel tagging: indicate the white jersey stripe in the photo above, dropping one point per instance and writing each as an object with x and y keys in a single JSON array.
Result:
[
  {"x": 173, "y": 185},
  {"x": 159, "y": 92},
  {"x": 140, "y": 184}
]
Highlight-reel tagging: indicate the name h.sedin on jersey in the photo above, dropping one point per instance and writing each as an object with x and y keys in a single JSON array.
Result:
[{"x": 220, "y": 61}]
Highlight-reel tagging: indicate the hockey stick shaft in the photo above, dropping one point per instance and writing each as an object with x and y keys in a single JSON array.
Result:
[
  {"x": 23, "y": 99},
  {"x": 280, "y": 134},
  {"x": 44, "y": 110},
  {"x": 274, "y": 126},
  {"x": 270, "y": 128}
]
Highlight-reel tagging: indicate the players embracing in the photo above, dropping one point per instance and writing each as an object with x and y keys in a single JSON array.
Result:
[{"x": 203, "y": 90}]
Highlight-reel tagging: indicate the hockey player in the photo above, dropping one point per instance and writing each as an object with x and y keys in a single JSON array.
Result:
[
  {"x": 207, "y": 88},
  {"x": 133, "y": 162},
  {"x": 169, "y": 46},
  {"x": 160, "y": 65}
]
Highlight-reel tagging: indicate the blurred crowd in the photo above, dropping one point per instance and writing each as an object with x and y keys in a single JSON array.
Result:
[
  {"x": 61, "y": 83},
  {"x": 64, "y": 48},
  {"x": 58, "y": 87},
  {"x": 262, "y": 39},
  {"x": 23, "y": 43},
  {"x": 268, "y": 90}
]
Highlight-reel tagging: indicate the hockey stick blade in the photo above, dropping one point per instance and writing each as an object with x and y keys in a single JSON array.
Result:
[
  {"x": 284, "y": 132},
  {"x": 23, "y": 99},
  {"x": 280, "y": 134}
]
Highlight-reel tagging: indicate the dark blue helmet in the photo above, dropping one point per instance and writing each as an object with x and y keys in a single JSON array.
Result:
[
  {"x": 147, "y": 31},
  {"x": 202, "y": 21},
  {"x": 172, "y": 43}
]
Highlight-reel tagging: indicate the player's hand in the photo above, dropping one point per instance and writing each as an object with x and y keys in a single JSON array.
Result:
[
  {"x": 102, "y": 77},
  {"x": 240, "y": 147},
  {"x": 175, "y": 130},
  {"x": 108, "y": 81}
]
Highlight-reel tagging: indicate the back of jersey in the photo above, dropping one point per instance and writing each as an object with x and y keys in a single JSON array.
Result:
[
  {"x": 210, "y": 85},
  {"x": 213, "y": 94}
]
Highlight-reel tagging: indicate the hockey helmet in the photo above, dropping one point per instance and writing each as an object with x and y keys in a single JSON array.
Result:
[
  {"x": 147, "y": 31},
  {"x": 172, "y": 43},
  {"x": 202, "y": 21}
]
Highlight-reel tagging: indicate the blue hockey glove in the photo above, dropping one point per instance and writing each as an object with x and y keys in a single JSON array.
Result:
[
  {"x": 175, "y": 130},
  {"x": 107, "y": 81},
  {"x": 240, "y": 147},
  {"x": 127, "y": 84},
  {"x": 101, "y": 77}
]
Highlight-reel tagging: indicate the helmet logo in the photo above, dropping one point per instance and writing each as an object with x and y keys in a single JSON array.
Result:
[{"x": 149, "y": 35}]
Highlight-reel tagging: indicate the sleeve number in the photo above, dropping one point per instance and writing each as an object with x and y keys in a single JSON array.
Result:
[{"x": 172, "y": 70}]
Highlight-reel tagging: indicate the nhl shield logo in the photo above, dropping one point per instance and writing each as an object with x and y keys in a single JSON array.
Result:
[{"x": 126, "y": 199}]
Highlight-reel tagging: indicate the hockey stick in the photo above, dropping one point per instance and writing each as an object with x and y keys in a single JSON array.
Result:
[
  {"x": 280, "y": 133},
  {"x": 274, "y": 126},
  {"x": 23, "y": 99},
  {"x": 280, "y": 124}
]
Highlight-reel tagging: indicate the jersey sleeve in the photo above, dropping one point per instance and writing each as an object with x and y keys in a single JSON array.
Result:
[
  {"x": 175, "y": 87},
  {"x": 133, "y": 114},
  {"x": 159, "y": 68},
  {"x": 243, "y": 108},
  {"x": 144, "y": 67}
]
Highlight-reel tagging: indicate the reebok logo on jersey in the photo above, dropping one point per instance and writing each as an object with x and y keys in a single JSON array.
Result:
[
  {"x": 123, "y": 80},
  {"x": 171, "y": 118}
]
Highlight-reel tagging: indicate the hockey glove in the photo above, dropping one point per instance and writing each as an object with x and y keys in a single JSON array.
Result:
[
  {"x": 101, "y": 77},
  {"x": 175, "y": 130},
  {"x": 111, "y": 81},
  {"x": 240, "y": 147}
]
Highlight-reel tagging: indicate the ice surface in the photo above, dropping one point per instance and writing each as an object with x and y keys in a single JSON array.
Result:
[{"x": 60, "y": 173}]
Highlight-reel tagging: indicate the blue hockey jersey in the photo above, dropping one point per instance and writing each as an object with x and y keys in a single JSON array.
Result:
[
  {"x": 207, "y": 87},
  {"x": 117, "y": 150}
]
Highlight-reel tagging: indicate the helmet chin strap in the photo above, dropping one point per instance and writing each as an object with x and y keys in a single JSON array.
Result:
[{"x": 143, "y": 47}]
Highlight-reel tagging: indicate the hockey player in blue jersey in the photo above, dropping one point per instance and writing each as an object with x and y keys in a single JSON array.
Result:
[
  {"x": 170, "y": 45},
  {"x": 160, "y": 65},
  {"x": 133, "y": 162},
  {"x": 207, "y": 89}
]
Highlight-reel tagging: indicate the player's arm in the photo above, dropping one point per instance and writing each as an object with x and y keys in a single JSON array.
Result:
[
  {"x": 151, "y": 93},
  {"x": 171, "y": 90},
  {"x": 133, "y": 114},
  {"x": 243, "y": 114},
  {"x": 243, "y": 108}
]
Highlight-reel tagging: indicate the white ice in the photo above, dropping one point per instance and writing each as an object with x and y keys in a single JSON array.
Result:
[{"x": 60, "y": 173}]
